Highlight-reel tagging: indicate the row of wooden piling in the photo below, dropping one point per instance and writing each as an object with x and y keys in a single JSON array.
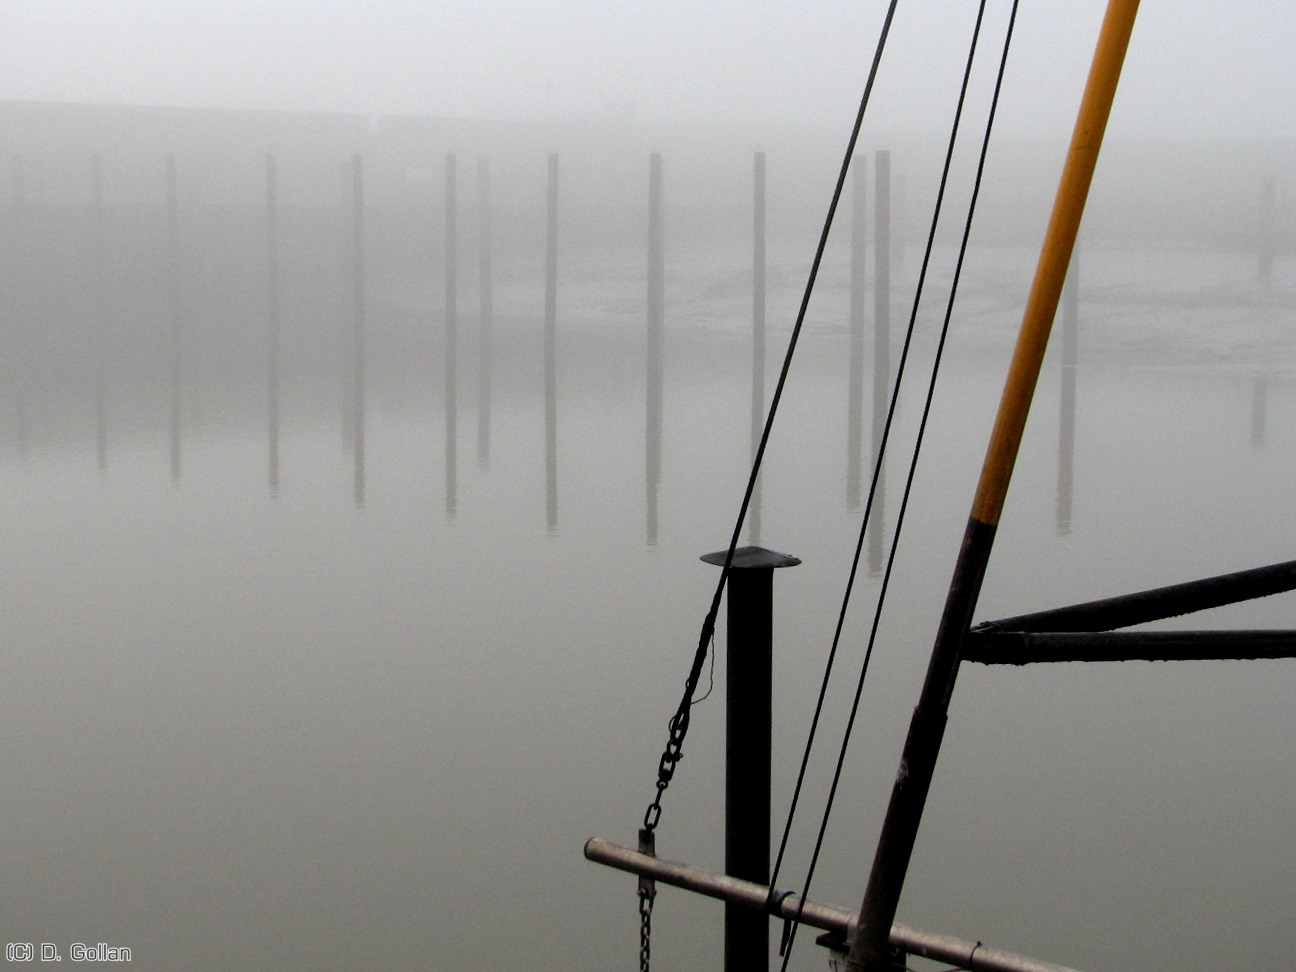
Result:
[{"x": 878, "y": 220}]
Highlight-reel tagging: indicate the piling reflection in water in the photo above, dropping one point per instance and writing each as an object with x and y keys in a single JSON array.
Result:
[
  {"x": 855, "y": 382},
  {"x": 551, "y": 349},
  {"x": 881, "y": 349},
  {"x": 272, "y": 322},
  {"x": 451, "y": 341},
  {"x": 1259, "y": 408},
  {"x": 1066, "y": 418},
  {"x": 21, "y": 301},
  {"x": 358, "y": 311},
  {"x": 113, "y": 539},
  {"x": 102, "y": 343},
  {"x": 486, "y": 324},
  {"x": 656, "y": 340},
  {"x": 173, "y": 263}
]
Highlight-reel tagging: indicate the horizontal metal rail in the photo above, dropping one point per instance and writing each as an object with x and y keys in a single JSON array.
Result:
[
  {"x": 1156, "y": 604},
  {"x": 961, "y": 954},
  {"x": 990, "y": 647}
]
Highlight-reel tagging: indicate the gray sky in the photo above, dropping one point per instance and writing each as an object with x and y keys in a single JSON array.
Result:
[{"x": 1195, "y": 68}]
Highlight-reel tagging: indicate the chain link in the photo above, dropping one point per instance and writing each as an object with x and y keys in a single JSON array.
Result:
[
  {"x": 647, "y": 892},
  {"x": 670, "y": 758},
  {"x": 645, "y": 931}
]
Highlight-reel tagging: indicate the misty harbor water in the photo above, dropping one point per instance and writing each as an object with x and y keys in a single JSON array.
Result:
[{"x": 301, "y": 678}]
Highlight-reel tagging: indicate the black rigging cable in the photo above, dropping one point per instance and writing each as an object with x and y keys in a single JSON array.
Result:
[
  {"x": 790, "y": 934},
  {"x": 679, "y": 722}
]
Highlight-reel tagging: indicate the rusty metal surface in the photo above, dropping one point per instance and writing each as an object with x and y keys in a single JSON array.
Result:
[
  {"x": 960, "y": 953},
  {"x": 991, "y": 647}
]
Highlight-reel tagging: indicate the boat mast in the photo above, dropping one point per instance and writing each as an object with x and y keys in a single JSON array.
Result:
[{"x": 870, "y": 951}]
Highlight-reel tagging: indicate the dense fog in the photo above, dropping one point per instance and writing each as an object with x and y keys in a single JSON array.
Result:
[{"x": 371, "y": 381}]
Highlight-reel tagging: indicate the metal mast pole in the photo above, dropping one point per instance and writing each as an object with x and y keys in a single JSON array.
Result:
[
  {"x": 748, "y": 742},
  {"x": 869, "y": 948}
]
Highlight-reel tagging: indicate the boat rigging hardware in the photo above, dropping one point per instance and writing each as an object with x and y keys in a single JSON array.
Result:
[
  {"x": 869, "y": 945},
  {"x": 1087, "y": 632},
  {"x": 881, "y": 450},
  {"x": 956, "y": 952},
  {"x": 647, "y": 894},
  {"x": 990, "y": 647},
  {"x": 678, "y": 726}
]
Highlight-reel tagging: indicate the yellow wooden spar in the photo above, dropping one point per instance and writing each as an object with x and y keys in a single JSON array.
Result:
[
  {"x": 1055, "y": 256},
  {"x": 870, "y": 950}
]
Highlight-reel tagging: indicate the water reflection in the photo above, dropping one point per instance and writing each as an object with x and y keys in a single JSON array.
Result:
[
  {"x": 273, "y": 339},
  {"x": 190, "y": 656},
  {"x": 102, "y": 342},
  {"x": 451, "y": 341},
  {"x": 882, "y": 253},
  {"x": 358, "y": 311},
  {"x": 656, "y": 341},
  {"x": 19, "y": 302},
  {"x": 486, "y": 289},
  {"x": 855, "y": 385},
  {"x": 173, "y": 265},
  {"x": 1067, "y": 414},
  {"x": 1259, "y": 409},
  {"x": 551, "y": 348}
]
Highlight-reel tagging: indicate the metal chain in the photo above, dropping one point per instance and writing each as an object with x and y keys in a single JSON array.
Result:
[
  {"x": 647, "y": 892},
  {"x": 645, "y": 931},
  {"x": 670, "y": 757}
]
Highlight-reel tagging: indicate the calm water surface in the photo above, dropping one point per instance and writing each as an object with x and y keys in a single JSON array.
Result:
[{"x": 316, "y": 726}]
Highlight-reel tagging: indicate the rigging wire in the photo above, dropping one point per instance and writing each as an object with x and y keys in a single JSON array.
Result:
[
  {"x": 790, "y": 935},
  {"x": 679, "y": 722}
]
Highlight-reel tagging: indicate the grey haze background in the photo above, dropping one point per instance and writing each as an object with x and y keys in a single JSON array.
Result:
[
  {"x": 1220, "y": 70},
  {"x": 235, "y": 726}
]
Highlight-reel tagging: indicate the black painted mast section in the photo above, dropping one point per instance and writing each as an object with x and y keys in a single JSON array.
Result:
[
  {"x": 749, "y": 680},
  {"x": 1087, "y": 632},
  {"x": 758, "y": 333},
  {"x": 1158, "y": 603},
  {"x": 1034, "y": 647}
]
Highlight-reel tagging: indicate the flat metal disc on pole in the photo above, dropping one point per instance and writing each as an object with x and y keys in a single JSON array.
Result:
[{"x": 751, "y": 558}]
